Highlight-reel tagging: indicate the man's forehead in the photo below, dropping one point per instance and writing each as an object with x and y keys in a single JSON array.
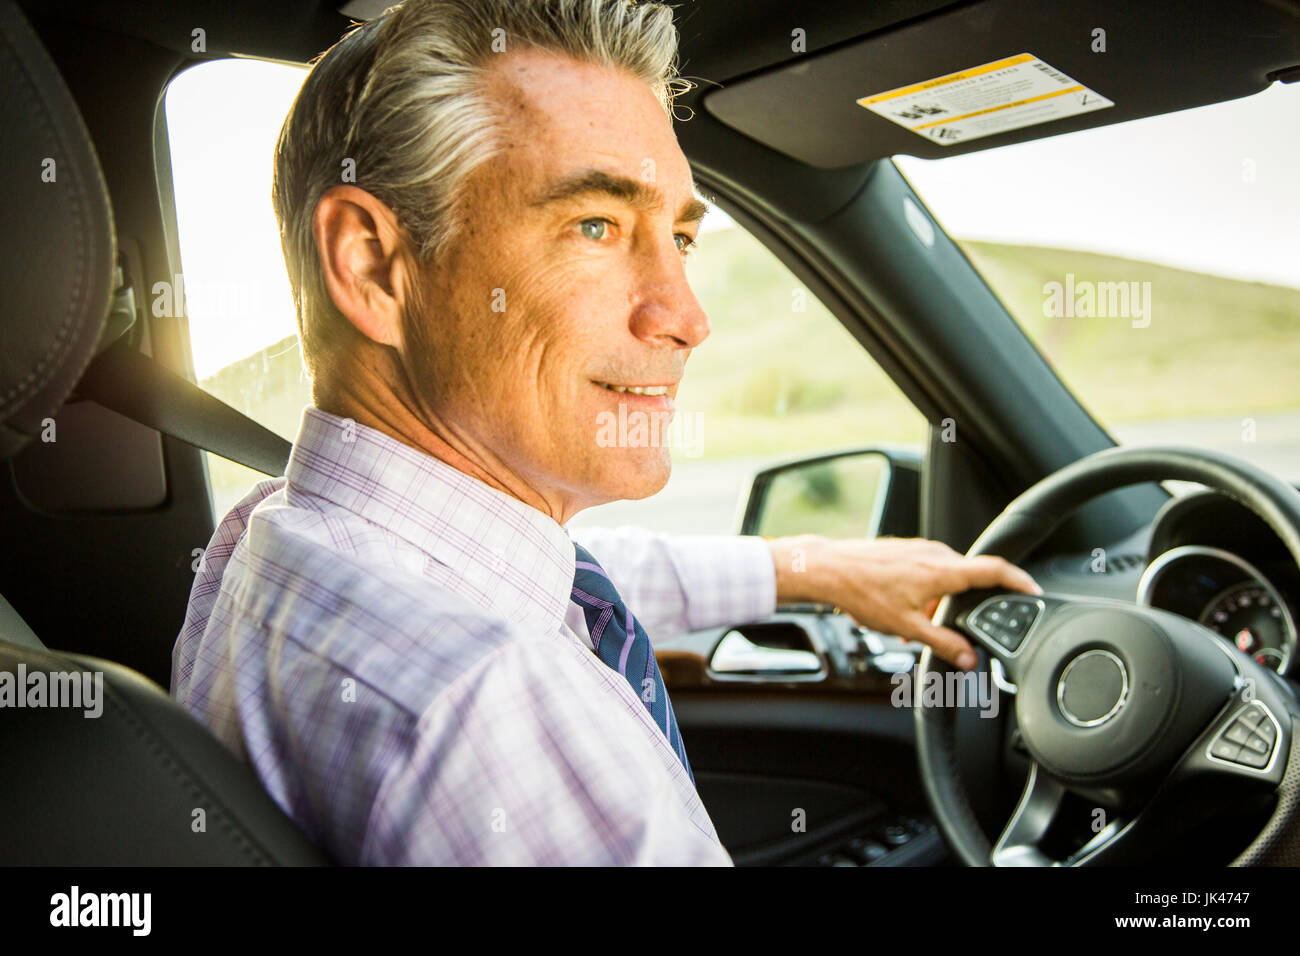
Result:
[
  {"x": 550, "y": 79},
  {"x": 550, "y": 97},
  {"x": 575, "y": 129}
]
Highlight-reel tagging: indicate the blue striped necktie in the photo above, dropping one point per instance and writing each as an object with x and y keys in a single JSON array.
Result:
[{"x": 621, "y": 642}]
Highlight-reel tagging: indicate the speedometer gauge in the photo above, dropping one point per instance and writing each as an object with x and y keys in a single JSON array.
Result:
[
  {"x": 1247, "y": 615},
  {"x": 1229, "y": 595}
]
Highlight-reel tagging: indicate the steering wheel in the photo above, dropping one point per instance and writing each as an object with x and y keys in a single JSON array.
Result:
[{"x": 1141, "y": 720}]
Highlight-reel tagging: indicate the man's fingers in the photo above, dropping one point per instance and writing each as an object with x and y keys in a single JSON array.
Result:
[
  {"x": 991, "y": 571},
  {"x": 948, "y": 644}
]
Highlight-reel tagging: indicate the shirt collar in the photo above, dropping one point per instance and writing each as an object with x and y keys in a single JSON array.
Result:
[{"x": 503, "y": 554}]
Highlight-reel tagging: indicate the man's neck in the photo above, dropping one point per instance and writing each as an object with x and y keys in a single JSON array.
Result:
[{"x": 366, "y": 396}]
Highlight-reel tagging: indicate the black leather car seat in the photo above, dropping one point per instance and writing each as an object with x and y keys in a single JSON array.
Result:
[{"x": 142, "y": 782}]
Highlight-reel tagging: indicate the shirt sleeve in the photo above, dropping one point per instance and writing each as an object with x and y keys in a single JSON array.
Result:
[
  {"x": 525, "y": 762},
  {"x": 680, "y": 583}
]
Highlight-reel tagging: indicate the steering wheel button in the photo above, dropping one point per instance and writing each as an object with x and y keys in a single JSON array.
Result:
[
  {"x": 1009, "y": 641},
  {"x": 1252, "y": 759},
  {"x": 1225, "y": 750},
  {"x": 1257, "y": 720},
  {"x": 1257, "y": 744},
  {"x": 1266, "y": 730},
  {"x": 1004, "y": 621},
  {"x": 1251, "y": 716},
  {"x": 1237, "y": 732}
]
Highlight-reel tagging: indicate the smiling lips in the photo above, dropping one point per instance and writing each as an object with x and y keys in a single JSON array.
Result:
[{"x": 637, "y": 389}]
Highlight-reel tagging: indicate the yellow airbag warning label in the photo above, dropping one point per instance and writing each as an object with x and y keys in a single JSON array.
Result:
[{"x": 1004, "y": 95}]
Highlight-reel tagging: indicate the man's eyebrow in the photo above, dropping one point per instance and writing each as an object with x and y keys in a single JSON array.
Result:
[{"x": 637, "y": 194}]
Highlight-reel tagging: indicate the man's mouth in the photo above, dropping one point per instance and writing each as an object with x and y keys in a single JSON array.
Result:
[{"x": 637, "y": 389}]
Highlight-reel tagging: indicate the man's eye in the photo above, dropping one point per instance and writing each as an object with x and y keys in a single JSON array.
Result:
[
  {"x": 684, "y": 242},
  {"x": 598, "y": 228}
]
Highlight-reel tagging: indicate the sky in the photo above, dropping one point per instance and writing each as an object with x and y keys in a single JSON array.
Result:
[
  {"x": 1215, "y": 189},
  {"x": 223, "y": 118}
]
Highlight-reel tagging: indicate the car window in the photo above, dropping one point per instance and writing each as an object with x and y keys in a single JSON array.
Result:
[
  {"x": 223, "y": 118},
  {"x": 778, "y": 376},
  {"x": 1156, "y": 265}
]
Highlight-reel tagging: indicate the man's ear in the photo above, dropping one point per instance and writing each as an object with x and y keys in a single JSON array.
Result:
[{"x": 361, "y": 246}]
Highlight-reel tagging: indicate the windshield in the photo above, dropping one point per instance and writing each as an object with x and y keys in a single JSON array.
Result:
[{"x": 1155, "y": 264}]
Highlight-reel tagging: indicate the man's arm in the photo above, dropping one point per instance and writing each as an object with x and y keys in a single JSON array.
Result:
[
  {"x": 679, "y": 583},
  {"x": 891, "y": 585}
]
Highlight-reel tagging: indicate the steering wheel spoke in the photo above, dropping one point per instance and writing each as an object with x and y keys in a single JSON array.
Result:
[
  {"x": 1022, "y": 840},
  {"x": 1004, "y": 623},
  {"x": 1249, "y": 741}
]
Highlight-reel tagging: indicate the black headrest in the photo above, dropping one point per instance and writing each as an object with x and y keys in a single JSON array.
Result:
[{"x": 58, "y": 257}]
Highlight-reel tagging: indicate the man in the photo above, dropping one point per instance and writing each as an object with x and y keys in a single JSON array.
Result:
[{"x": 484, "y": 211}]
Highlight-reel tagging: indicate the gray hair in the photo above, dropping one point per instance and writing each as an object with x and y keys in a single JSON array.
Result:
[{"x": 401, "y": 101}]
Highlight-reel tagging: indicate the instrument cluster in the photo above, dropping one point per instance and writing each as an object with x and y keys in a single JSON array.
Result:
[{"x": 1227, "y": 594}]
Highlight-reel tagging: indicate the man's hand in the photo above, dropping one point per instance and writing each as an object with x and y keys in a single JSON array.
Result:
[{"x": 891, "y": 585}]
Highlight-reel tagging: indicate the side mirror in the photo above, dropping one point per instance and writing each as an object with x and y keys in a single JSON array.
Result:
[{"x": 862, "y": 493}]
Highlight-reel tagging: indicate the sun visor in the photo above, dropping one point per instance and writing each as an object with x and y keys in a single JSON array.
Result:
[{"x": 1004, "y": 71}]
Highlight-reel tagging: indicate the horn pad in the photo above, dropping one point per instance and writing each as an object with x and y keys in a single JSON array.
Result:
[{"x": 1098, "y": 694}]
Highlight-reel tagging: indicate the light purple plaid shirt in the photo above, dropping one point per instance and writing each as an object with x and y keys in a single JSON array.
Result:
[{"x": 384, "y": 640}]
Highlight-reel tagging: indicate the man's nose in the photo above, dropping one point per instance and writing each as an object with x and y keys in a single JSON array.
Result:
[{"x": 667, "y": 311}]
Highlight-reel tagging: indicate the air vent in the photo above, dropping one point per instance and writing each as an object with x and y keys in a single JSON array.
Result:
[{"x": 1119, "y": 563}]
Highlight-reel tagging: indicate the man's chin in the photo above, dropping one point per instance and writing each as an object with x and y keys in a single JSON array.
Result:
[{"x": 639, "y": 473}]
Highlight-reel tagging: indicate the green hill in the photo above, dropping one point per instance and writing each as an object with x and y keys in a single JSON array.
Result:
[{"x": 1213, "y": 346}]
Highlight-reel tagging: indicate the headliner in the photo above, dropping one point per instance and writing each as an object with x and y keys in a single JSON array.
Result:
[{"x": 1160, "y": 58}]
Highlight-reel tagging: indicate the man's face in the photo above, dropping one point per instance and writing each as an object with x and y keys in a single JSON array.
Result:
[{"x": 567, "y": 277}]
